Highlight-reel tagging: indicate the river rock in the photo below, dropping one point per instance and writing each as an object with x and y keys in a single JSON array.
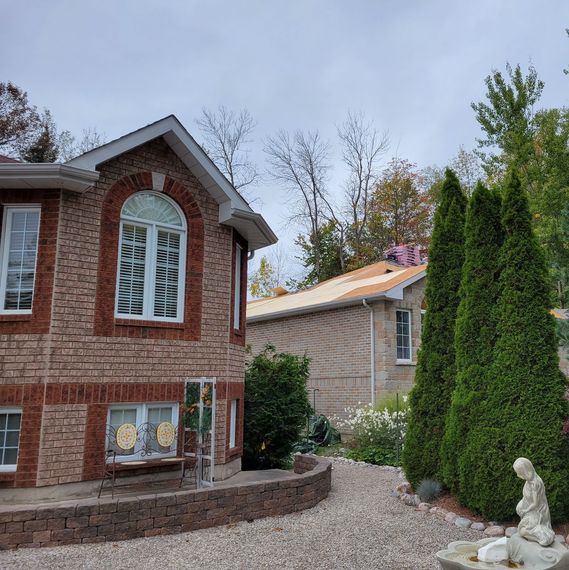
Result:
[
  {"x": 494, "y": 530},
  {"x": 510, "y": 531},
  {"x": 463, "y": 522},
  {"x": 424, "y": 507},
  {"x": 478, "y": 526},
  {"x": 451, "y": 517}
]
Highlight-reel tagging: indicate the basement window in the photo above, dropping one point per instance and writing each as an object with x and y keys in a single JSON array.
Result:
[{"x": 10, "y": 423}]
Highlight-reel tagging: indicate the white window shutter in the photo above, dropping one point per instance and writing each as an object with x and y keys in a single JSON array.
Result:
[
  {"x": 167, "y": 278},
  {"x": 132, "y": 270}
]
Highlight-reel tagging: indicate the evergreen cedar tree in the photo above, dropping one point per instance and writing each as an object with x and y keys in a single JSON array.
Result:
[
  {"x": 475, "y": 331},
  {"x": 276, "y": 408},
  {"x": 524, "y": 409},
  {"x": 434, "y": 379}
]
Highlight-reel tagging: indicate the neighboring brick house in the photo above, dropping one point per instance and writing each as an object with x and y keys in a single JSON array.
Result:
[
  {"x": 122, "y": 273},
  {"x": 332, "y": 324}
]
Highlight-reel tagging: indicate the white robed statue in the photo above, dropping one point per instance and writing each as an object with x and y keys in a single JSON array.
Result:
[{"x": 533, "y": 509}]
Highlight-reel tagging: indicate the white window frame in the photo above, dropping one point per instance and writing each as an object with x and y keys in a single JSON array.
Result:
[
  {"x": 9, "y": 211},
  {"x": 410, "y": 359},
  {"x": 152, "y": 229},
  {"x": 233, "y": 407},
  {"x": 11, "y": 468},
  {"x": 237, "y": 287},
  {"x": 141, "y": 418}
]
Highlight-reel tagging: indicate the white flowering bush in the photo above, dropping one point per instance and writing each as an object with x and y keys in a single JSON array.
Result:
[{"x": 378, "y": 433}]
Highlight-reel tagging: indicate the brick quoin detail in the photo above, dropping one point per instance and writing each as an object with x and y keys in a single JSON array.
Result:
[
  {"x": 105, "y": 322},
  {"x": 39, "y": 320},
  {"x": 107, "y": 519}
]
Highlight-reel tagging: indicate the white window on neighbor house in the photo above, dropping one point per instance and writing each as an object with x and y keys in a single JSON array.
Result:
[
  {"x": 145, "y": 418},
  {"x": 233, "y": 423},
  {"x": 10, "y": 425},
  {"x": 18, "y": 256},
  {"x": 403, "y": 324},
  {"x": 151, "y": 261},
  {"x": 237, "y": 287}
]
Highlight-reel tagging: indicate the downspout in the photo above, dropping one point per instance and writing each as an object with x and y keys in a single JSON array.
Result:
[{"x": 372, "y": 348}]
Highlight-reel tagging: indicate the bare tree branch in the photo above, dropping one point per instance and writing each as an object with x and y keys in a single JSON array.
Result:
[
  {"x": 227, "y": 136},
  {"x": 301, "y": 164},
  {"x": 362, "y": 150}
]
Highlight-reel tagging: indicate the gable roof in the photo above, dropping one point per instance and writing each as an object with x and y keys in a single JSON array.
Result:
[
  {"x": 80, "y": 174},
  {"x": 382, "y": 280}
]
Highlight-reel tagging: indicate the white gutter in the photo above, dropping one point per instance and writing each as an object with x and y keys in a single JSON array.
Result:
[
  {"x": 313, "y": 308},
  {"x": 372, "y": 348},
  {"x": 46, "y": 175}
]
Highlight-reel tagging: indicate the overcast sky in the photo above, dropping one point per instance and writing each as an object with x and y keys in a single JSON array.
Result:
[{"x": 412, "y": 66}]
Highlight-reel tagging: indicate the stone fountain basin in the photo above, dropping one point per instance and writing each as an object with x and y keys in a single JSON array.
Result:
[{"x": 462, "y": 555}]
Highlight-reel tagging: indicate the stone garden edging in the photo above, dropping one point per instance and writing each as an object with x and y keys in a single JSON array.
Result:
[
  {"x": 122, "y": 518},
  {"x": 490, "y": 529}
]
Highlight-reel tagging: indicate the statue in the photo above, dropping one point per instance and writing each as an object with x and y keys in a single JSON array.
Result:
[
  {"x": 533, "y": 547},
  {"x": 533, "y": 509}
]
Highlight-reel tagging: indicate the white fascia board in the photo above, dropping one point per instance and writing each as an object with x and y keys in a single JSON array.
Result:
[
  {"x": 316, "y": 308},
  {"x": 249, "y": 224},
  {"x": 46, "y": 175},
  {"x": 396, "y": 293}
]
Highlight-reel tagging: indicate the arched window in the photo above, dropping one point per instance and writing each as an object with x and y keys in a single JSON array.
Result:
[{"x": 151, "y": 260}]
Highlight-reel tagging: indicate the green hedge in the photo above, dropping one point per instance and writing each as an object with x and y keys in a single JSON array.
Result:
[
  {"x": 435, "y": 375},
  {"x": 475, "y": 331},
  {"x": 524, "y": 411},
  {"x": 276, "y": 408}
]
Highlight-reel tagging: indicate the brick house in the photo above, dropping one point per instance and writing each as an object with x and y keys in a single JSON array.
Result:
[
  {"x": 122, "y": 273},
  {"x": 334, "y": 324}
]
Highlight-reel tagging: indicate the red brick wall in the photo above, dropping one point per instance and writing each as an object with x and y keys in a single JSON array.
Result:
[
  {"x": 105, "y": 322},
  {"x": 83, "y": 351},
  {"x": 38, "y": 321}
]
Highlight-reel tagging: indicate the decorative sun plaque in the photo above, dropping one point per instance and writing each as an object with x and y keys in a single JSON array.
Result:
[
  {"x": 165, "y": 434},
  {"x": 126, "y": 436}
]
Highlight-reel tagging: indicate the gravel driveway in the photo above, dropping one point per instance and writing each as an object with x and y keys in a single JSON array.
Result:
[{"x": 360, "y": 525}]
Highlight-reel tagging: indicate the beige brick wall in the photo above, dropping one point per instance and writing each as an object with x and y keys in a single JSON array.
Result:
[
  {"x": 62, "y": 441},
  {"x": 338, "y": 343}
]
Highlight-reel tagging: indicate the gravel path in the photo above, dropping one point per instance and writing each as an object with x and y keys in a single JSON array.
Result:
[{"x": 360, "y": 526}]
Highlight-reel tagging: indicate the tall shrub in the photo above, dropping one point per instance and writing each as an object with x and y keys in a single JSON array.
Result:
[
  {"x": 525, "y": 409},
  {"x": 276, "y": 407},
  {"x": 434, "y": 379},
  {"x": 475, "y": 331}
]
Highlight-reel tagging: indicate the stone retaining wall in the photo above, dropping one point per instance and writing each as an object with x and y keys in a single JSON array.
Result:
[{"x": 107, "y": 519}]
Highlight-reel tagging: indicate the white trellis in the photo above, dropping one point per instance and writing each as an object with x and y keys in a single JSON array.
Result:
[{"x": 199, "y": 422}]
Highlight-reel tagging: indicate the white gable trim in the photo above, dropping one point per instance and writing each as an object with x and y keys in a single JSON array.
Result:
[{"x": 234, "y": 210}]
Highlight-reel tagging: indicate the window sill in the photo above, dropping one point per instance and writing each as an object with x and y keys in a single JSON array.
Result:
[
  {"x": 405, "y": 363},
  {"x": 8, "y": 470},
  {"x": 119, "y": 322},
  {"x": 5, "y": 317}
]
